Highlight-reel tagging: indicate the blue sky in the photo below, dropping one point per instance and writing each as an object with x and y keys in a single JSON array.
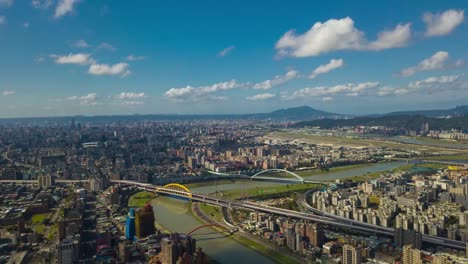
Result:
[{"x": 67, "y": 57}]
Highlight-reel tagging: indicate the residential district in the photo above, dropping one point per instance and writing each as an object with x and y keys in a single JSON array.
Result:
[{"x": 66, "y": 191}]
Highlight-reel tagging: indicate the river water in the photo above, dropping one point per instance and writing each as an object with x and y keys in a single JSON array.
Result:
[{"x": 175, "y": 215}]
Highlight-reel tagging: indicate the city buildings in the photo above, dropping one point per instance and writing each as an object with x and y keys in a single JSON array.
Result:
[
  {"x": 351, "y": 255},
  {"x": 144, "y": 221}
]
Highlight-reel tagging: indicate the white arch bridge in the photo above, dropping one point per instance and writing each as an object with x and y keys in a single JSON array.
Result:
[{"x": 261, "y": 176}]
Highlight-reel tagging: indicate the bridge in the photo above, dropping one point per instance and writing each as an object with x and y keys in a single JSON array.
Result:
[
  {"x": 260, "y": 175},
  {"x": 314, "y": 216},
  {"x": 211, "y": 225}
]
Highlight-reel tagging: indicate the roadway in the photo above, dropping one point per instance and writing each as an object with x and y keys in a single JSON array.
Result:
[{"x": 317, "y": 216}]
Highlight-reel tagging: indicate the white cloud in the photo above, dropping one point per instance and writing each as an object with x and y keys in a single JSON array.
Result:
[
  {"x": 226, "y": 51},
  {"x": 327, "y": 99},
  {"x": 2, "y": 20},
  {"x": 324, "y": 68},
  {"x": 441, "y": 24},
  {"x": 8, "y": 92},
  {"x": 107, "y": 46},
  {"x": 434, "y": 81},
  {"x": 261, "y": 97},
  {"x": 323, "y": 91},
  {"x": 42, "y": 4},
  {"x": 132, "y": 103},
  {"x": 396, "y": 38},
  {"x": 389, "y": 90},
  {"x": 77, "y": 58},
  {"x": 426, "y": 86},
  {"x": 81, "y": 43},
  {"x": 89, "y": 99},
  {"x": 193, "y": 94},
  {"x": 131, "y": 57},
  {"x": 435, "y": 62},
  {"x": 6, "y": 2},
  {"x": 106, "y": 69},
  {"x": 26, "y": 24},
  {"x": 338, "y": 34},
  {"x": 277, "y": 80},
  {"x": 131, "y": 96},
  {"x": 64, "y": 7}
]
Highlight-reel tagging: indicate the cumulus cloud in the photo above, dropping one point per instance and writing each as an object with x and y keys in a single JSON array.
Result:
[
  {"x": 8, "y": 92},
  {"x": 77, "y": 58},
  {"x": 277, "y": 80},
  {"x": 324, "y": 91},
  {"x": 434, "y": 81},
  {"x": 121, "y": 69},
  {"x": 192, "y": 94},
  {"x": 440, "y": 24},
  {"x": 132, "y": 57},
  {"x": 81, "y": 44},
  {"x": 429, "y": 85},
  {"x": 435, "y": 62},
  {"x": 42, "y": 4},
  {"x": 324, "y": 68},
  {"x": 226, "y": 51},
  {"x": 261, "y": 97},
  {"x": 129, "y": 95},
  {"x": 339, "y": 34},
  {"x": 89, "y": 99},
  {"x": 396, "y": 38},
  {"x": 64, "y": 7}
]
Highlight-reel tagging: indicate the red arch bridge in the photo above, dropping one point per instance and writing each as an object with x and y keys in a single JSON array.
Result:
[{"x": 223, "y": 228}]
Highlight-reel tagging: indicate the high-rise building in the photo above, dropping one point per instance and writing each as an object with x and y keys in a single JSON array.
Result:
[
  {"x": 169, "y": 251},
  {"x": 144, "y": 221},
  {"x": 351, "y": 255},
  {"x": 201, "y": 257},
  {"x": 316, "y": 236},
  {"x": 407, "y": 237},
  {"x": 192, "y": 163},
  {"x": 411, "y": 255},
  {"x": 130, "y": 225},
  {"x": 67, "y": 251},
  {"x": 46, "y": 181}
]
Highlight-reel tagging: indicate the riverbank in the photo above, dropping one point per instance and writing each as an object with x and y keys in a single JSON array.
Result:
[
  {"x": 278, "y": 255},
  {"x": 140, "y": 199}
]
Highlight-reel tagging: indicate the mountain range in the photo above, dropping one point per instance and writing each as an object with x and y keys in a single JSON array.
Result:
[{"x": 302, "y": 113}]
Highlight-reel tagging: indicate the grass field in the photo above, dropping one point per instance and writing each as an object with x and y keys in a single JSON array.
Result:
[
  {"x": 259, "y": 191},
  {"x": 140, "y": 199},
  {"x": 215, "y": 212},
  {"x": 39, "y": 218},
  {"x": 355, "y": 141}
]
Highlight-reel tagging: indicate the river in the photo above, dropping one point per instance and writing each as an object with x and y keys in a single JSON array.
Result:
[{"x": 175, "y": 215}]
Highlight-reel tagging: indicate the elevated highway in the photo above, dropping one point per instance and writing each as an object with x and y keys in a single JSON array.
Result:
[{"x": 315, "y": 216}]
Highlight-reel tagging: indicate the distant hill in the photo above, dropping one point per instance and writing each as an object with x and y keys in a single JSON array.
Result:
[
  {"x": 457, "y": 111},
  {"x": 289, "y": 114},
  {"x": 295, "y": 114}
]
